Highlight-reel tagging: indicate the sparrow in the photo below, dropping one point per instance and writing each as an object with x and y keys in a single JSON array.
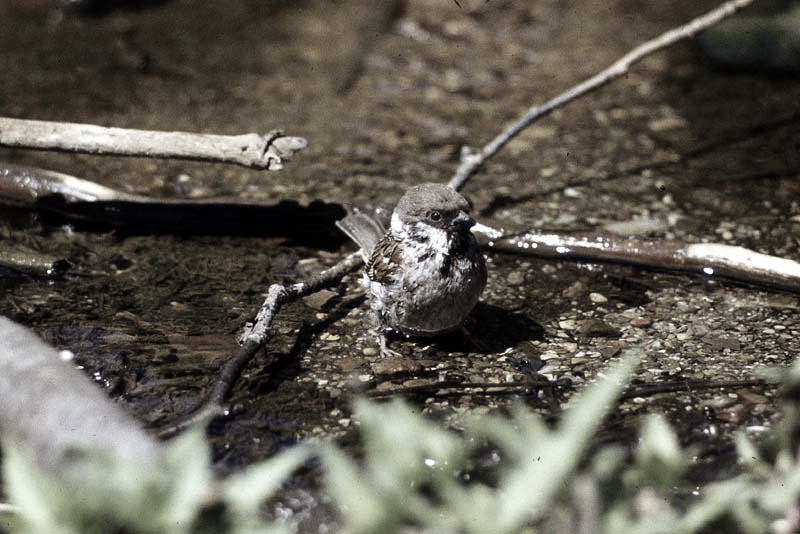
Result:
[{"x": 425, "y": 274}]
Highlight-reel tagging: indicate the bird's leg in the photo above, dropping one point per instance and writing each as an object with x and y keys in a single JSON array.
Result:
[{"x": 386, "y": 352}]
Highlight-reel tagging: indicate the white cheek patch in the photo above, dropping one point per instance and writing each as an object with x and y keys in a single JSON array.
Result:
[
  {"x": 397, "y": 224},
  {"x": 439, "y": 239}
]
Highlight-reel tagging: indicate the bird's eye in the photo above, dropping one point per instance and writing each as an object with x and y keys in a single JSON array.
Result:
[{"x": 435, "y": 216}]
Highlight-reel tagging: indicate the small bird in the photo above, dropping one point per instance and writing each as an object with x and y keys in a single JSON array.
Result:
[{"x": 424, "y": 275}]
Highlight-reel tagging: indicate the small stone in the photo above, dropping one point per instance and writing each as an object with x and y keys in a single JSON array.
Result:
[
  {"x": 515, "y": 278},
  {"x": 597, "y": 298},
  {"x": 610, "y": 350},
  {"x": 319, "y": 299},
  {"x": 670, "y": 122},
  {"x": 394, "y": 365},
  {"x": 574, "y": 290},
  {"x": 596, "y": 328},
  {"x": 327, "y": 336},
  {"x": 732, "y": 414},
  {"x": 568, "y": 324},
  {"x": 630, "y": 313},
  {"x": 349, "y": 364},
  {"x": 722, "y": 342}
]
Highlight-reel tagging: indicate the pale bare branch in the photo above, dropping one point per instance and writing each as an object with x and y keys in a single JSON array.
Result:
[{"x": 268, "y": 151}]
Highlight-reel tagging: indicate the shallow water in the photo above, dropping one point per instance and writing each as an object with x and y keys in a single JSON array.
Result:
[{"x": 386, "y": 97}]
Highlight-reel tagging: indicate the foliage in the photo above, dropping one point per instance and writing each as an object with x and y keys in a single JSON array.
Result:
[
  {"x": 115, "y": 496},
  {"x": 417, "y": 473},
  {"x": 498, "y": 474}
]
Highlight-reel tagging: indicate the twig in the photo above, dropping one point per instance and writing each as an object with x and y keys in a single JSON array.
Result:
[
  {"x": 256, "y": 336},
  {"x": 708, "y": 259},
  {"x": 459, "y": 389},
  {"x": 252, "y": 150},
  {"x": 471, "y": 159}
]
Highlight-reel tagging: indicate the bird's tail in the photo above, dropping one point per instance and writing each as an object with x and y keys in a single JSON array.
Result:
[{"x": 362, "y": 228}]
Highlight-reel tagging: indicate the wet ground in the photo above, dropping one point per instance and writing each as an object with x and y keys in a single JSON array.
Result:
[{"x": 386, "y": 95}]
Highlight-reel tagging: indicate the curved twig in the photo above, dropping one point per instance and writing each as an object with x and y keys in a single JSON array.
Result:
[
  {"x": 471, "y": 159},
  {"x": 256, "y": 335}
]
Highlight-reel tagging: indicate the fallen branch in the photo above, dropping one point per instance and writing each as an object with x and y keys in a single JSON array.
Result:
[
  {"x": 707, "y": 259},
  {"x": 77, "y": 200},
  {"x": 252, "y": 150},
  {"x": 456, "y": 388},
  {"x": 256, "y": 335},
  {"x": 25, "y": 262},
  {"x": 471, "y": 159},
  {"x": 50, "y": 410}
]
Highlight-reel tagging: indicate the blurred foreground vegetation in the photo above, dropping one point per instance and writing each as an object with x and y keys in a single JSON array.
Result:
[{"x": 492, "y": 473}]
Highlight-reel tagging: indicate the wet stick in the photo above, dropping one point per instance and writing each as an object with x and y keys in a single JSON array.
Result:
[
  {"x": 256, "y": 335},
  {"x": 712, "y": 260}
]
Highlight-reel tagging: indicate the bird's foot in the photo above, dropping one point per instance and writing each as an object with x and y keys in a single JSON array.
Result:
[{"x": 386, "y": 352}]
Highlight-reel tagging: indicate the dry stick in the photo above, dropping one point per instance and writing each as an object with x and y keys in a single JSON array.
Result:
[
  {"x": 256, "y": 336},
  {"x": 471, "y": 159},
  {"x": 252, "y": 150}
]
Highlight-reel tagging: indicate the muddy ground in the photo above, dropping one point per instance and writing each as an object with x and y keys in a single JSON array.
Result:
[{"x": 387, "y": 93}]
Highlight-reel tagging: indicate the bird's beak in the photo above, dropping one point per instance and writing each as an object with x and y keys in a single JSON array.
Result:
[{"x": 462, "y": 220}]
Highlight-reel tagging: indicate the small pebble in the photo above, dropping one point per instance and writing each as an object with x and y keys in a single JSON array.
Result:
[{"x": 515, "y": 278}]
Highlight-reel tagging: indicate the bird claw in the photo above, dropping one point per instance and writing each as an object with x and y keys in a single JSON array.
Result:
[{"x": 386, "y": 352}]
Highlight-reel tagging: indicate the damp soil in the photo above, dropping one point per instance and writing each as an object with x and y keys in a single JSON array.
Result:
[{"x": 387, "y": 96}]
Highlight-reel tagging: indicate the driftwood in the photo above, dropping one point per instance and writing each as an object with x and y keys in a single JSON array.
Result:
[
  {"x": 268, "y": 151},
  {"x": 78, "y": 200},
  {"x": 68, "y": 426},
  {"x": 707, "y": 259}
]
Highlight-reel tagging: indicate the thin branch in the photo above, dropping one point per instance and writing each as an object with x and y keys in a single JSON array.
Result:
[
  {"x": 25, "y": 262},
  {"x": 521, "y": 387},
  {"x": 471, "y": 159},
  {"x": 252, "y": 150},
  {"x": 256, "y": 336}
]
